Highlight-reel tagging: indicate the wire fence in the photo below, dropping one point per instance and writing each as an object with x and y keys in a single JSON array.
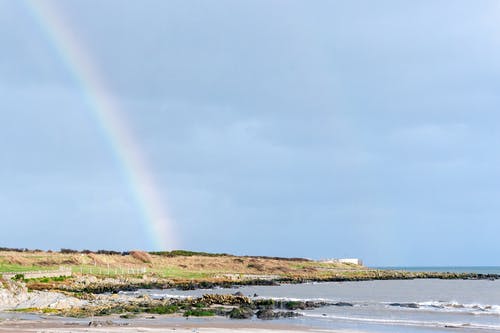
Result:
[
  {"x": 107, "y": 270},
  {"x": 70, "y": 270}
]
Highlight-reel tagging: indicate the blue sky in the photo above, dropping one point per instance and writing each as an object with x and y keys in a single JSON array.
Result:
[{"x": 294, "y": 128}]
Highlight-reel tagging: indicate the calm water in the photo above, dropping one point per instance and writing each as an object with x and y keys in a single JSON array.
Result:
[
  {"x": 457, "y": 269},
  {"x": 387, "y": 306}
]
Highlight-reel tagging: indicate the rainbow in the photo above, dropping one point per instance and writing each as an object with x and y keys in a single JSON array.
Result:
[{"x": 111, "y": 120}]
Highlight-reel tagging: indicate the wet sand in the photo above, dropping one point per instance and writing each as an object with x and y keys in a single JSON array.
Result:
[{"x": 216, "y": 327}]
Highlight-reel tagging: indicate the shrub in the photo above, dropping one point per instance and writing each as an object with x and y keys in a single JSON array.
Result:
[
  {"x": 68, "y": 251},
  {"x": 184, "y": 253},
  {"x": 142, "y": 256},
  {"x": 108, "y": 252},
  {"x": 18, "y": 277},
  {"x": 256, "y": 266},
  {"x": 10, "y": 249}
]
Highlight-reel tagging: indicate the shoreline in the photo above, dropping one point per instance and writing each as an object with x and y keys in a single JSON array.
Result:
[
  {"x": 347, "y": 310},
  {"x": 212, "y": 325}
]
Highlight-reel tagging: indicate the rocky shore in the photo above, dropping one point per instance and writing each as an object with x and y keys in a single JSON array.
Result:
[
  {"x": 88, "y": 284},
  {"x": 18, "y": 299},
  {"x": 88, "y": 295},
  {"x": 15, "y": 295}
]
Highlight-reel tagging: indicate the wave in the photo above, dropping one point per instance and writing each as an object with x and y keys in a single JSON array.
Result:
[
  {"x": 472, "y": 308},
  {"x": 154, "y": 295},
  {"x": 405, "y": 322},
  {"x": 161, "y": 296},
  {"x": 432, "y": 306}
]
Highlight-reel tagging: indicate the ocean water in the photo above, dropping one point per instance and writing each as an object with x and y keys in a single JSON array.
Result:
[
  {"x": 451, "y": 269},
  {"x": 420, "y": 305}
]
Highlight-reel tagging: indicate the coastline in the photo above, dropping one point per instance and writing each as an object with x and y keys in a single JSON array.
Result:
[
  {"x": 418, "y": 306},
  {"x": 188, "y": 293},
  {"x": 215, "y": 325}
]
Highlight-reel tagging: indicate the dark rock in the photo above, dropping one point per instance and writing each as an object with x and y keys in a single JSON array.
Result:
[
  {"x": 102, "y": 323},
  {"x": 241, "y": 313},
  {"x": 405, "y": 305},
  {"x": 238, "y": 293},
  {"x": 342, "y": 304},
  {"x": 268, "y": 314},
  {"x": 293, "y": 305},
  {"x": 210, "y": 299}
]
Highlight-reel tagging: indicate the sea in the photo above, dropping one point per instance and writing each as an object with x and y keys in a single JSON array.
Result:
[
  {"x": 420, "y": 305},
  {"x": 451, "y": 269}
]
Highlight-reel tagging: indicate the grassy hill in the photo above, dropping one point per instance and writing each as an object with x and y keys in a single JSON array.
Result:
[{"x": 175, "y": 265}]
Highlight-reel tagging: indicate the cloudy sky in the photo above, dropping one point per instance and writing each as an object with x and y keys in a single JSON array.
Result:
[{"x": 317, "y": 129}]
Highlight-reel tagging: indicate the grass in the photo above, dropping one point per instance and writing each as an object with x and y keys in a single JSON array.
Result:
[
  {"x": 163, "y": 309},
  {"x": 174, "y": 265},
  {"x": 13, "y": 268},
  {"x": 199, "y": 313},
  {"x": 49, "y": 279},
  {"x": 26, "y": 310},
  {"x": 179, "y": 273}
]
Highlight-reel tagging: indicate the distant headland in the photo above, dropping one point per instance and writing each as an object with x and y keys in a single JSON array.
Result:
[{"x": 82, "y": 283}]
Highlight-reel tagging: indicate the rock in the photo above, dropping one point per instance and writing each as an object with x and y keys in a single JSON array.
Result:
[
  {"x": 268, "y": 314},
  {"x": 342, "y": 304},
  {"x": 238, "y": 293},
  {"x": 16, "y": 295},
  {"x": 405, "y": 305},
  {"x": 241, "y": 313},
  {"x": 211, "y": 299},
  {"x": 293, "y": 305}
]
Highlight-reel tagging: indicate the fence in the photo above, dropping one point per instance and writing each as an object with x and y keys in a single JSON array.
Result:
[
  {"x": 67, "y": 271},
  {"x": 97, "y": 270}
]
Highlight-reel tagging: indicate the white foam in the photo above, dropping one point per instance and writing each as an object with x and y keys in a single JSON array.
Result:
[
  {"x": 471, "y": 308},
  {"x": 403, "y": 322}
]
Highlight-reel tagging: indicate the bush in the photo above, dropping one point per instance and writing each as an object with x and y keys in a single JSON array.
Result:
[
  {"x": 108, "y": 252},
  {"x": 256, "y": 266},
  {"x": 68, "y": 251},
  {"x": 142, "y": 256},
  {"x": 10, "y": 249},
  {"x": 184, "y": 253},
  {"x": 18, "y": 277}
]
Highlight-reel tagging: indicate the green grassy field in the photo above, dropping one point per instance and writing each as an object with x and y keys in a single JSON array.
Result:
[
  {"x": 12, "y": 268},
  {"x": 175, "y": 265}
]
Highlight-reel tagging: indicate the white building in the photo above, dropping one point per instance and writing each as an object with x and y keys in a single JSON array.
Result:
[{"x": 354, "y": 261}]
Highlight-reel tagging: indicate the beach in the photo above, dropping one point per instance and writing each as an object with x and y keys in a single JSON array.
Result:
[
  {"x": 219, "y": 327},
  {"x": 416, "y": 306}
]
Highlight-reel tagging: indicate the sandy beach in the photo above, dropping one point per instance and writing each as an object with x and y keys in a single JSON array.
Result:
[{"x": 54, "y": 327}]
